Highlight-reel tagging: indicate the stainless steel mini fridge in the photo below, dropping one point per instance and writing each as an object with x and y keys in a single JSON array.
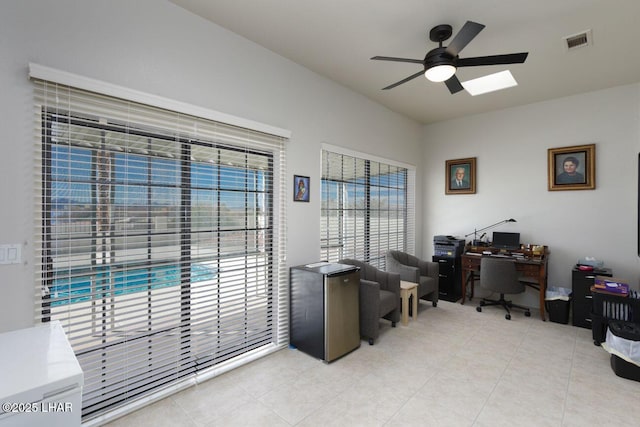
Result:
[{"x": 324, "y": 316}]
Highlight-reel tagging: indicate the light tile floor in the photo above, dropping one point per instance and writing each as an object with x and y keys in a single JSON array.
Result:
[{"x": 452, "y": 366}]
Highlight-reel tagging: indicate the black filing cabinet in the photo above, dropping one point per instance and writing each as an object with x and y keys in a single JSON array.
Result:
[
  {"x": 450, "y": 279},
  {"x": 581, "y": 282}
]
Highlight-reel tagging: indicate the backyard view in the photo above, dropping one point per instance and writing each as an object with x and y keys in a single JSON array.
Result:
[
  {"x": 158, "y": 253},
  {"x": 364, "y": 209}
]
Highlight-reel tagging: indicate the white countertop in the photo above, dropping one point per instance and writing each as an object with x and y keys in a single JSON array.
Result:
[{"x": 37, "y": 362}]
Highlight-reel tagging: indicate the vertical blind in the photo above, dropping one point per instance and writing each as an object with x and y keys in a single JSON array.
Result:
[
  {"x": 367, "y": 208},
  {"x": 160, "y": 240}
]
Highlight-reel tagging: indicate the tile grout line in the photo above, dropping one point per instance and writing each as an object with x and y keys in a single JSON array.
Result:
[
  {"x": 495, "y": 385},
  {"x": 566, "y": 392}
]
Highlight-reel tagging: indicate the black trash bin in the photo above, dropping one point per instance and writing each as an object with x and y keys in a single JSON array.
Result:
[
  {"x": 558, "y": 304},
  {"x": 608, "y": 307},
  {"x": 630, "y": 333}
]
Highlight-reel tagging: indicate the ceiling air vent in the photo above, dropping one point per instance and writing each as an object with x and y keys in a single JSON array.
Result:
[{"x": 578, "y": 40}]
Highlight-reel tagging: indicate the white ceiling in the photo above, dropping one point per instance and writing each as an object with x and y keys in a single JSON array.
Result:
[{"x": 337, "y": 38}]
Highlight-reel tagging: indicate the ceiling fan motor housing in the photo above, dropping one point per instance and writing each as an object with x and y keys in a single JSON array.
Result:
[{"x": 438, "y": 56}]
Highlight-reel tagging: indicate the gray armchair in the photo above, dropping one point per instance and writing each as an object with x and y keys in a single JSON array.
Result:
[
  {"x": 379, "y": 297},
  {"x": 413, "y": 269}
]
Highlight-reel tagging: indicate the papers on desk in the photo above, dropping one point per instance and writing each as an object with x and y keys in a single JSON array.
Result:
[{"x": 516, "y": 256}]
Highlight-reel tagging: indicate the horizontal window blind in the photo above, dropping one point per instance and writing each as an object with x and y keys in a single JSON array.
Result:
[
  {"x": 367, "y": 208},
  {"x": 161, "y": 240}
]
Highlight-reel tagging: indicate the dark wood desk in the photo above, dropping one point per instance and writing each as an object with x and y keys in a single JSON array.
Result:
[{"x": 535, "y": 268}]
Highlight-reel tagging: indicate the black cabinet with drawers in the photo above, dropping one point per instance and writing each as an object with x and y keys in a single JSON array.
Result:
[
  {"x": 581, "y": 282},
  {"x": 450, "y": 279}
]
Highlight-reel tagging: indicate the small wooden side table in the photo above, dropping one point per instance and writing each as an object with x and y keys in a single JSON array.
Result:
[{"x": 408, "y": 289}]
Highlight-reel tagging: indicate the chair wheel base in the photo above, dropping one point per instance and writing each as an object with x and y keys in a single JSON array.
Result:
[
  {"x": 507, "y": 316},
  {"x": 527, "y": 313},
  {"x": 479, "y": 309},
  {"x": 370, "y": 341},
  {"x": 435, "y": 303}
]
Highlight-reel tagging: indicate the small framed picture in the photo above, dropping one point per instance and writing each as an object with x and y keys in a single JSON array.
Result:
[
  {"x": 572, "y": 168},
  {"x": 460, "y": 176},
  {"x": 300, "y": 188}
]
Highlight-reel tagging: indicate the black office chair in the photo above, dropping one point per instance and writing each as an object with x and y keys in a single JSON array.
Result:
[{"x": 500, "y": 275}]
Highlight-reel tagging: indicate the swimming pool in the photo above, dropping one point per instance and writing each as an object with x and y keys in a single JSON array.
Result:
[{"x": 103, "y": 283}]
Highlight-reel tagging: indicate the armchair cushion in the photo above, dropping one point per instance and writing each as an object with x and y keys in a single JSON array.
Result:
[{"x": 371, "y": 295}]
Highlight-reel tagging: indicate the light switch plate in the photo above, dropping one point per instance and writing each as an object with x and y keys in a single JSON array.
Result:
[{"x": 11, "y": 254}]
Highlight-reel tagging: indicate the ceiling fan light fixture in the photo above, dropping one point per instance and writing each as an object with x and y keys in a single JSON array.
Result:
[
  {"x": 490, "y": 83},
  {"x": 440, "y": 73}
]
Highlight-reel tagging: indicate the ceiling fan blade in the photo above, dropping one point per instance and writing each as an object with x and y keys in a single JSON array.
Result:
[
  {"x": 411, "y": 77},
  {"x": 454, "y": 84},
  {"x": 512, "y": 58},
  {"x": 467, "y": 33},
  {"x": 391, "y": 58}
]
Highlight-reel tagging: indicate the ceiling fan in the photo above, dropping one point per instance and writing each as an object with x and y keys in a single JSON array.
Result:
[{"x": 440, "y": 64}]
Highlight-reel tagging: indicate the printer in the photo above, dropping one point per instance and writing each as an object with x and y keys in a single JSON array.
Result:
[{"x": 448, "y": 246}]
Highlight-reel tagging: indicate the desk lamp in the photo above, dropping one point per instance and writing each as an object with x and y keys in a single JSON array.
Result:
[{"x": 475, "y": 232}]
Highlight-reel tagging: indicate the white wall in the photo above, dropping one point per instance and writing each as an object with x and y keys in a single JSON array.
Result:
[
  {"x": 158, "y": 48},
  {"x": 161, "y": 49},
  {"x": 511, "y": 150}
]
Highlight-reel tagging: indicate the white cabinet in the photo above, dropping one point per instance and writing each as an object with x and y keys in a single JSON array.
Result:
[{"x": 41, "y": 378}]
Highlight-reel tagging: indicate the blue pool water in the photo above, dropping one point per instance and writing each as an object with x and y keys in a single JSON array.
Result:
[{"x": 67, "y": 290}]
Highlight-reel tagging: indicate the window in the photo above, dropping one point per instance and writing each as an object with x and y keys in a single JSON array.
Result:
[
  {"x": 161, "y": 253},
  {"x": 367, "y": 208}
]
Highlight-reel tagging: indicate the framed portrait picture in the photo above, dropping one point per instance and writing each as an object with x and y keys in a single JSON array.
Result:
[
  {"x": 300, "y": 188},
  {"x": 572, "y": 168},
  {"x": 460, "y": 176}
]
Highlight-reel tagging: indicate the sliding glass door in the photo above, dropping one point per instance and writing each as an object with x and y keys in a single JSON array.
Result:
[{"x": 158, "y": 251}]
